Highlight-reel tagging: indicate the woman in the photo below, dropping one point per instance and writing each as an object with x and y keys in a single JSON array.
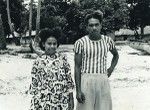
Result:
[{"x": 52, "y": 85}]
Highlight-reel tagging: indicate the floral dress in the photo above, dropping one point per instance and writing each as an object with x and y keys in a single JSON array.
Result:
[{"x": 51, "y": 83}]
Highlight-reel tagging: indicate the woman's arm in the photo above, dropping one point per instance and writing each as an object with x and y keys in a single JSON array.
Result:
[
  {"x": 35, "y": 79},
  {"x": 71, "y": 101},
  {"x": 79, "y": 95}
]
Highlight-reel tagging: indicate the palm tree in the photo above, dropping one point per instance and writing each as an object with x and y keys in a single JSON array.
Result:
[
  {"x": 38, "y": 17},
  {"x": 9, "y": 19},
  {"x": 2, "y": 37},
  {"x": 35, "y": 44},
  {"x": 30, "y": 17},
  {"x": 36, "y": 39}
]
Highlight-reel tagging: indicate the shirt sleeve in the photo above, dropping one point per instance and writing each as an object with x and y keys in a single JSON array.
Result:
[
  {"x": 78, "y": 47},
  {"x": 111, "y": 44},
  {"x": 35, "y": 79}
]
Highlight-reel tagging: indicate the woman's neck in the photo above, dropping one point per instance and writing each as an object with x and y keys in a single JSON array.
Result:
[{"x": 50, "y": 54}]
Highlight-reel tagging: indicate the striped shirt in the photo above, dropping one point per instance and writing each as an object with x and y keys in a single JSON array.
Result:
[{"x": 94, "y": 53}]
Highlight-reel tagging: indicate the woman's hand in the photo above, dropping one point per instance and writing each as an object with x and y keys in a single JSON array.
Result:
[{"x": 71, "y": 102}]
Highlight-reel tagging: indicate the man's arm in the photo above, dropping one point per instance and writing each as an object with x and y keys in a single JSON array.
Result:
[
  {"x": 114, "y": 61},
  {"x": 78, "y": 72},
  {"x": 79, "y": 95}
]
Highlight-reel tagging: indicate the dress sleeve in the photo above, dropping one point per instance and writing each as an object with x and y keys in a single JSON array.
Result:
[
  {"x": 70, "y": 84},
  {"x": 78, "y": 47},
  {"x": 35, "y": 79},
  {"x": 111, "y": 43}
]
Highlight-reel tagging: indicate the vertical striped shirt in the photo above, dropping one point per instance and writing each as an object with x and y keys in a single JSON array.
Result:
[{"x": 94, "y": 53}]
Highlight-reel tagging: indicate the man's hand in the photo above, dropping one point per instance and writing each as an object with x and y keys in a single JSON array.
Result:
[
  {"x": 109, "y": 71},
  {"x": 80, "y": 97}
]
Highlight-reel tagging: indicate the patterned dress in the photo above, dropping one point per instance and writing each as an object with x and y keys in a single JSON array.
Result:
[{"x": 51, "y": 83}]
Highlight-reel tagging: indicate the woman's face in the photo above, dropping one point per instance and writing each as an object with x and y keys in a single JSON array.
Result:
[{"x": 50, "y": 45}]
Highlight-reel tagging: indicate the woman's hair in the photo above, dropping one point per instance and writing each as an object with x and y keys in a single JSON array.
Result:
[
  {"x": 97, "y": 14},
  {"x": 45, "y": 33}
]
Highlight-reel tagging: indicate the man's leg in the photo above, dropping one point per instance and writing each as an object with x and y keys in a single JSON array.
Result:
[
  {"x": 103, "y": 95},
  {"x": 88, "y": 89}
]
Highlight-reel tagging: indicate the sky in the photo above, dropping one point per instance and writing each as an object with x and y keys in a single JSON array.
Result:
[{"x": 27, "y": 1}]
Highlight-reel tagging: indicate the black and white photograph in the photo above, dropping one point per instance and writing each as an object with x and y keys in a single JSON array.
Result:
[{"x": 74, "y": 54}]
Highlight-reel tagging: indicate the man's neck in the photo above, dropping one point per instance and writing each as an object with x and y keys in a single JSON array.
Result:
[{"x": 95, "y": 37}]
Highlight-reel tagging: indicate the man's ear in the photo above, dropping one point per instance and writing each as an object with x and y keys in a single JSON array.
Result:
[{"x": 86, "y": 29}]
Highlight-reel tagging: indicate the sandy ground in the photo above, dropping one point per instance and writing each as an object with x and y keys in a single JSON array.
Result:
[{"x": 130, "y": 82}]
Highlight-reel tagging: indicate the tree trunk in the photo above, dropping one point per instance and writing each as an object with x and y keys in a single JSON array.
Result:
[
  {"x": 30, "y": 18},
  {"x": 35, "y": 44},
  {"x": 2, "y": 37},
  {"x": 9, "y": 19},
  {"x": 38, "y": 17},
  {"x": 37, "y": 39}
]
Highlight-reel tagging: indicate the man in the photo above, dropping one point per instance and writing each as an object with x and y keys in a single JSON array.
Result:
[{"x": 91, "y": 73}]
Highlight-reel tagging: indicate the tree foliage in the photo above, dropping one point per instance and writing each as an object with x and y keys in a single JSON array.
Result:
[
  {"x": 69, "y": 16},
  {"x": 2, "y": 37},
  {"x": 17, "y": 13},
  {"x": 139, "y": 14},
  {"x": 115, "y": 15}
]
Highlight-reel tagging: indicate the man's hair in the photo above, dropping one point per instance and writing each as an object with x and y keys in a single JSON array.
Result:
[
  {"x": 45, "y": 33},
  {"x": 97, "y": 14}
]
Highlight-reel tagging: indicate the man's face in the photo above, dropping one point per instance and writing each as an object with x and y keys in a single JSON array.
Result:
[
  {"x": 50, "y": 45},
  {"x": 94, "y": 26}
]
